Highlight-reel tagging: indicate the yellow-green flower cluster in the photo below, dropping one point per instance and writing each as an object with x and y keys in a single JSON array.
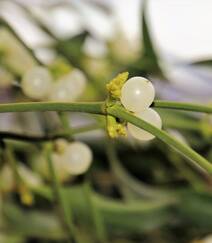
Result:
[
  {"x": 115, "y": 85},
  {"x": 114, "y": 128}
]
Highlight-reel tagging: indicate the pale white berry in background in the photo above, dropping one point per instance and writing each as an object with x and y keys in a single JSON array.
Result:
[
  {"x": 36, "y": 83},
  {"x": 137, "y": 94},
  {"x": 62, "y": 92},
  {"x": 77, "y": 158},
  {"x": 69, "y": 87},
  {"x": 148, "y": 115},
  {"x": 40, "y": 165},
  {"x": 79, "y": 79}
]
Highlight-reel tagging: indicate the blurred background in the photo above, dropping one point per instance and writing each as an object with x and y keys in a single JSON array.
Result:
[{"x": 141, "y": 192}]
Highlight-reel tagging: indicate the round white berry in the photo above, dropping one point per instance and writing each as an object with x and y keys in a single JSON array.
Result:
[
  {"x": 69, "y": 87},
  {"x": 148, "y": 115},
  {"x": 36, "y": 83},
  {"x": 137, "y": 94},
  {"x": 77, "y": 158},
  {"x": 79, "y": 80},
  {"x": 62, "y": 92}
]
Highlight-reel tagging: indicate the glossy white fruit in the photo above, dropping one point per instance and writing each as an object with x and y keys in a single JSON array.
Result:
[
  {"x": 36, "y": 83},
  {"x": 79, "y": 80},
  {"x": 77, "y": 158},
  {"x": 148, "y": 115},
  {"x": 69, "y": 87},
  {"x": 137, "y": 94}
]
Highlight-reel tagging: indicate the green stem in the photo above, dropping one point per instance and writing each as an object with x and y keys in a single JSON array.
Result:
[
  {"x": 95, "y": 214},
  {"x": 182, "y": 106},
  {"x": 91, "y": 107},
  {"x": 63, "y": 116},
  {"x": 121, "y": 113},
  {"x": 11, "y": 159},
  {"x": 118, "y": 112},
  {"x": 94, "y": 107},
  {"x": 65, "y": 121},
  {"x": 59, "y": 196}
]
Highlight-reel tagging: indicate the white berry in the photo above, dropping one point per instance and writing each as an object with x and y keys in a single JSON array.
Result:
[
  {"x": 69, "y": 87},
  {"x": 79, "y": 80},
  {"x": 77, "y": 158},
  {"x": 148, "y": 115},
  {"x": 36, "y": 83},
  {"x": 137, "y": 94}
]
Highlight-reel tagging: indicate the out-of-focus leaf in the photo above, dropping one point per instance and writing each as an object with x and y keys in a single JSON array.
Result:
[
  {"x": 148, "y": 63},
  {"x": 142, "y": 215},
  {"x": 196, "y": 209},
  {"x": 31, "y": 223},
  {"x": 206, "y": 62},
  {"x": 72, "y": 48},
  {"x": 5, "y": 238},
  {"x": 149, "y": 52}
]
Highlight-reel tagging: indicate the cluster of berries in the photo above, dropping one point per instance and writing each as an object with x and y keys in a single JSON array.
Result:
[
  {"x": 137, "y": 94},
  {"x": 37, "y": 83}
]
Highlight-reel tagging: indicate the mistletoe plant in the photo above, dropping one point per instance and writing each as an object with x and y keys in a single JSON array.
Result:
[
  {"x": 127, "y": 102},
  {"x": 129, "y": 109}
]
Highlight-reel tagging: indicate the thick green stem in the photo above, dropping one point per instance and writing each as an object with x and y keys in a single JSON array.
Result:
[
  {"x": 93, "y": 108},
  {"x": 121, "y": 113},
  {"x": 182, "y": 106}
]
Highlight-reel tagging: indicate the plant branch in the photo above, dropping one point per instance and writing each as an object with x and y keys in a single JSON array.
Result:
[
  {"x": 59, "y": 197},
  {"x": 91, "y": 107},
  {"x": 119, "y": 112},
  {"x": 182, "y": 106}
]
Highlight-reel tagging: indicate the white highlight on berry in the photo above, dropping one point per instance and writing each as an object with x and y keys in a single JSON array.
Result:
[
  {"x": 148, "y": 115},
  {"x": 137, "y": 94},
  {"x": 77, "y": 158},
  {"x": 69, "y": 87},
  {"x": 36, "y": 83}
]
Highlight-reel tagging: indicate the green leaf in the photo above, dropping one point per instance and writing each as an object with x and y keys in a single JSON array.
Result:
[
  {"x": 206, "y": 62},
  {"x": 149, "y": 58},
  {"x": 72, "y": 48},
  {"x": 32, "y": 223}
]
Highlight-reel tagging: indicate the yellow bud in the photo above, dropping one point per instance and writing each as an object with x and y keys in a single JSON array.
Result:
[
  {"x": 115, "y": 85},
  {"x": 26, "y": 196},
  {"x": 114, "y": 128},
  {"x": 121, "y": 130}
]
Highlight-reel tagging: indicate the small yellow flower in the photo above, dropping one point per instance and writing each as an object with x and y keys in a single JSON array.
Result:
[
  {"x": 115, "y": 85},
  {"x": 26, "y": 196},
  {"x": 114, "y": 128}
]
